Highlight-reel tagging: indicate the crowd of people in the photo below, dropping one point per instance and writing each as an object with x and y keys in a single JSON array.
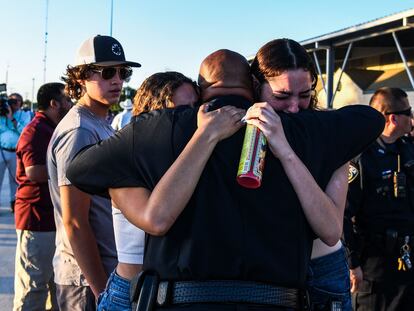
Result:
[{"x": 145, "y": 212}]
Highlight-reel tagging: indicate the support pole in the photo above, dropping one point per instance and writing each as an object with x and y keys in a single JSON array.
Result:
[
  {"x": 330, "y": 67},
  {"x": 318, "y": 67},
  {"x": 348, "y": 51},
  {"x": 407, "y": 69}
]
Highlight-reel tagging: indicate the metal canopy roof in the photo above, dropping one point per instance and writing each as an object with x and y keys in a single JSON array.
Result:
[
  {"x": 368, "y": 46},
  {"x": 378, "y": 27}
]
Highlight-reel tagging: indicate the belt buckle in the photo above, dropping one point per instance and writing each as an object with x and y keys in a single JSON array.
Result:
[{"x": 164, "y": 293}]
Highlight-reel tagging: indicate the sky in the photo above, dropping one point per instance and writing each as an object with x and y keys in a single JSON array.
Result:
[{"x": 162, "y": 34}]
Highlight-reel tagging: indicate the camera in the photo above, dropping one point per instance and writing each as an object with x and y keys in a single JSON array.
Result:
[{"x": 4, "y": 101}]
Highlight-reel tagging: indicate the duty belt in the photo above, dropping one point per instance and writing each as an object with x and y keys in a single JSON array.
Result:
[{"x": 229, "y": 292}]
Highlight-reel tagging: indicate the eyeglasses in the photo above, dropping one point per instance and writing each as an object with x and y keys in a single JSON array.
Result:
[
  {"x": 108, "y": 73},
  {"x": 406, "y": 112}
]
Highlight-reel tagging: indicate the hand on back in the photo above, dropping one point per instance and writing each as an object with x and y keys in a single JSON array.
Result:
[{"x": 220, "y": 123}]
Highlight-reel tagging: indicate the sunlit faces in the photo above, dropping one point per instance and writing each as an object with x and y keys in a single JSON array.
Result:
[
  {"x": 185, "y": 95},
  {"x": 404, "y": 119},
  {"x": 104, "y": 91},
  {"x": 288, "y": 92}
]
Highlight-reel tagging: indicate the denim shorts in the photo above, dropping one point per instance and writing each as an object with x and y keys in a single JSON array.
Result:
[
  {"x": 328, "y": 281},
  {"x": 116, "y": 295}
]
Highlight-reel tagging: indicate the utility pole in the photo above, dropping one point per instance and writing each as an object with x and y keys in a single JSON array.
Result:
[
  {"x": 45, "y": 54},
  {"x": 7, "y": 72},
  {"x": 33, "y": 85},
  {"x": 112, "y": 14}
]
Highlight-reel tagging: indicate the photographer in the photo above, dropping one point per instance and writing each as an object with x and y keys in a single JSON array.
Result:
[{"x": 12, "y": 122}]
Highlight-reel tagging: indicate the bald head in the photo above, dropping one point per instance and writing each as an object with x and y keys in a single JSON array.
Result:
[{"x": 225, "y": 72}]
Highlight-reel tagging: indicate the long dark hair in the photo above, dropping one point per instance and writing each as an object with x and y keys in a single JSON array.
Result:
[
  {"x": 156, "y": 92},
  {"x": 280, "y": 55}
]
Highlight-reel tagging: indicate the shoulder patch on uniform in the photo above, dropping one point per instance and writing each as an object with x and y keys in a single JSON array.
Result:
[{"x": 352, "y": 172}]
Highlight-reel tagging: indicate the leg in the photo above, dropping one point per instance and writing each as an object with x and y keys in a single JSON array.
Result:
[
  {"x": 2, "y": 168},
  {"x": 33, "y": 269},
  {"x": 75, "y": 298},
  {"x": 116, "y": 294},
  {"x": 328, "y": 281},
  {"x": 11, "y": 167}
]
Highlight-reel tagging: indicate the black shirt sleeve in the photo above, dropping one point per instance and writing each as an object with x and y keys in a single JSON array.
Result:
[
  {"x": 136, "y": 156},
  {"x": 351, "y": 130},
  {"x": 99, "y": 167}
]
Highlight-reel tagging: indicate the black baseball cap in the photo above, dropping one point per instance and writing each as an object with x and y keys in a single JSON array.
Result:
[{"x": 102, "y": 51}]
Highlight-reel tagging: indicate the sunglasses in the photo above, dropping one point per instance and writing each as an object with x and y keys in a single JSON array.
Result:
[
  {"x": 108, "y": 73},
  {"x": 406, "y": 112}
]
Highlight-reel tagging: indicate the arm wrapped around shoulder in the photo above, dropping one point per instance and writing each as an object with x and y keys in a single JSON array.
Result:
[
  {"x": 104, "y": 165},
  {"x": 348, "y": 131}
]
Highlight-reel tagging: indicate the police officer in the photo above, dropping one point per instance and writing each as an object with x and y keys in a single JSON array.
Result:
[{"x": 379, "y": 217}]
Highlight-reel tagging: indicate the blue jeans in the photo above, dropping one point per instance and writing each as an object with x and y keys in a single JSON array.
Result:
[
  {"x": 116, "y": 295},
  {"x": 328, "y": 281}
]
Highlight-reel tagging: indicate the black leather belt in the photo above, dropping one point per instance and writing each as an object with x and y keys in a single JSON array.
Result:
[
  {"x": 229, "y": 292},
  {"x": 9, "y": 149}
]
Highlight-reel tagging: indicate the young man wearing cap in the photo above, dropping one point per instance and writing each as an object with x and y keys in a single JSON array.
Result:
[{"x": 85, "y": 247}]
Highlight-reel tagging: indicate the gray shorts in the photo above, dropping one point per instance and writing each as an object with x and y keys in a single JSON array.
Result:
[{"x": 75, "y": 298}]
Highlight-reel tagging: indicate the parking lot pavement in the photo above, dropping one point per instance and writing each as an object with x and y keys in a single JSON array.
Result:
[{"x": 7, "y": 249}]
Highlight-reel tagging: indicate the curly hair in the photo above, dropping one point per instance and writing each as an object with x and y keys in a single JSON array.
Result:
[
  {"x": 156, "y": 91},
  {"x": 280, "y": 55},
  {"x": 73, "y": 74}
]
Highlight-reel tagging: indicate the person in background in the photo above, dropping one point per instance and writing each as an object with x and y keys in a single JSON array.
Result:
[
  {"x": 123, "y": 118},
  {"x": 379, "y": 216},
  {"x": 287, "y": 79},
  {"x": 85, "y": 246},
  {"x": 35, "y": 225},
  {"x": 12, "y": 122}
]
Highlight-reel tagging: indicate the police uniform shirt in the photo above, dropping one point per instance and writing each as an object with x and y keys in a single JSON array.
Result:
[
  {"x": 371, "y": 200},
  {"x": 227, "y": 231}
]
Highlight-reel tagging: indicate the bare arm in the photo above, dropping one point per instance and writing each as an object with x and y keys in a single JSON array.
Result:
[
  {"x": 75, "y": 215},
  {"x": 156, "y": 212},
  {"x": 36, "y": 173},
  {"x": 324, "y": 211}
]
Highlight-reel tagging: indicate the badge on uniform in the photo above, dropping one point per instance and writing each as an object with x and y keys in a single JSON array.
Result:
[{"x": 352, "y": 172}]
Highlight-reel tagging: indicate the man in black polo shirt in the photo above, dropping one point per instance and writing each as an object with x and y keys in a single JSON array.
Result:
[{"x": 230, "y": 244}]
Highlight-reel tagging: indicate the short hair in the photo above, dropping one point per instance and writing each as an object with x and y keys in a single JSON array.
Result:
[
  {"x": 47, "y": 92},
  {"x": 225, "y": 68},
  {"x": 280, "y": 55},
  {"x": 388, "y": 99},
  {"x": 156, "y": 92},
  {"x": 17, "y": 95},
  {"x": 73, "y": 74}
]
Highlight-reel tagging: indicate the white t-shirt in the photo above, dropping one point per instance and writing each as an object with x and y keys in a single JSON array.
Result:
[
  {"x": 121, "y": 119},
  {"x": 129, "y": 240}
]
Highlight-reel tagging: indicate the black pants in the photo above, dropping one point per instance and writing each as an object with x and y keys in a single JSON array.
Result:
[
  {"x": 384, "y": 286},
  {"x": 376, "y": 297}
]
